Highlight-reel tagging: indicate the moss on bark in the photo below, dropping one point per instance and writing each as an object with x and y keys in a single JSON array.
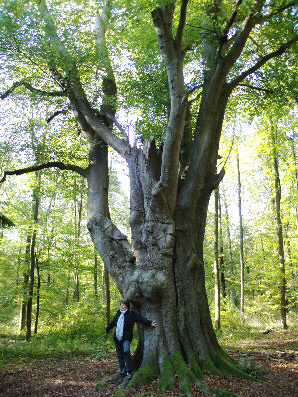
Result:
[
  {"x": 167, "y": 381},
  {"x": 227, "y": 367},
  {"x": 210, "y": 368},
  {"x": 186, "y": 377},
  {"x": 196, "y": 368},
  {"x": 143, "y": 376}
]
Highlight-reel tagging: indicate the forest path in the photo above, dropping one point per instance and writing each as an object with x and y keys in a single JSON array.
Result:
[{"x": 275, "y": 359}]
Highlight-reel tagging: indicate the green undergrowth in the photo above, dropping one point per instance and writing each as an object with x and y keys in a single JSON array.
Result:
[
  {"x": 80, "y": 333},
  {"x": 14, "y": 349},
  {"x": 241, "y": 330}
]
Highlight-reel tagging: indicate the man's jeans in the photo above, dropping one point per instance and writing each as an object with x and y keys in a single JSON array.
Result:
[{"x": 124, "y": 358}]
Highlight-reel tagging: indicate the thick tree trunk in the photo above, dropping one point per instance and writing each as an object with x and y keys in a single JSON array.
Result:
[{"x": 163, "y": 274}]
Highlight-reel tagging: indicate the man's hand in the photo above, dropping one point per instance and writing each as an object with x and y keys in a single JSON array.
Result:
[{"x": 153, "y": 324}]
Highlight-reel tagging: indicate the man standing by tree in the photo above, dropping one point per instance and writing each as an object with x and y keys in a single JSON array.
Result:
[{"x": 124, "y": 321}]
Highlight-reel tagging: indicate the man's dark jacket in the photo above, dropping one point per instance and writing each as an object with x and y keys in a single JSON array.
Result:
[{"x": 129, "y": 319}]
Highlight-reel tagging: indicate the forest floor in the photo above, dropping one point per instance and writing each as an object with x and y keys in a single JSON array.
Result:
[{"x": 272, "y": 358}]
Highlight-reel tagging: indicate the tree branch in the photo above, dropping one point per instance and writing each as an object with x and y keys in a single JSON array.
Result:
[
  {"x": 239, "y": 43},
  {"x": 119, "y": 126},
  {"x": 173, "y": 57},
  {"x": 277, "y": 11},
  {"x": 179, "y": 34},
  {"x": 262, "y": 61},
  {"x": 202, "y": 28},
  {"x": 241, "y": 37},
  {"x": 77, "y": 96},
  {"x": 55, "y": 114},
  {"x": 32, "y": 89},
  {"x": 51, "y": 164},
  {"x": 257, "y": 88},
  {"x": 224, "y": 36}
]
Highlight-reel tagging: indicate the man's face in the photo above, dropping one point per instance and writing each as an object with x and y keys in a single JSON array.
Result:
[{"x": 123, "y": 306}]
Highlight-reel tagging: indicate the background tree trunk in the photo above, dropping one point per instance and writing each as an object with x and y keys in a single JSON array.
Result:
[
  {"x": 281, "y": 254},
  {"x": 95, "y": 275},
  {"x": 230, "y": 253},
  {"x": 240, "y": 238},
  {"x": 216, "y": 263},
  {"x": 37, "y": 296},
  {"x": 107, "y": 296},
  {"x": 221, "y": 251},
  {"x": 23, "y": 309},
  {"x": 36, "y": 204}
]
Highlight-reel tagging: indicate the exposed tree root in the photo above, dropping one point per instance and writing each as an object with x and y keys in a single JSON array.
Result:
[
  {"x": 143, "y": 376},
  {"x": 174, "y": 369},
  {"x": 226, "y": 365}
]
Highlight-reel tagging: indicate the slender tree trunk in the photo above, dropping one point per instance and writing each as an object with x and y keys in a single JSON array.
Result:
[
  {"x": 281, "y": 254},
  {"x": 108, "y": 296},
  {"x": 37, "y": 296},
  {"x": 36, "y": 204},
  {"x": 95, "y": 275},
  {"x": 23, "y": 309},
  {"x": 292, "y": 274},
  {"x": 240, "y": 239},
  {"x": 216, "y": 264},
  {"x": 31, "y": 290},
  {"x": 76, "y": 292},
  {"x": 24, "y": 302},
  {"x": 292, "y": 141},
  {"x": 232, "y": 289},
  {"x": 67, "y": 296},
  {"x": 78, "y": 207},
  {"x": 19, "y": 266},
  {"x": 221, "y": 252}
]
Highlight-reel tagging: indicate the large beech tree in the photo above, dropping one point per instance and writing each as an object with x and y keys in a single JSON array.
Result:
[{"x": 75, "y": 54}]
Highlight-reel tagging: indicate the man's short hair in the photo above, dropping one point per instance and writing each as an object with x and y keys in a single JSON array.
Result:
[{"x": 126, "y": 302}]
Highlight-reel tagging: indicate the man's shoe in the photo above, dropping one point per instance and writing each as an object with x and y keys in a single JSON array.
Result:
[
  {"x": 124, "y": 383},
  {"x": 129, "y": 375},
  {"x": 115, "y": 378},
  {"x": 121, "y": 378}
]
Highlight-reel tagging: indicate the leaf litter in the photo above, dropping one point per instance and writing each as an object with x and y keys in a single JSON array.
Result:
[{"x": 272, "y": 363}]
